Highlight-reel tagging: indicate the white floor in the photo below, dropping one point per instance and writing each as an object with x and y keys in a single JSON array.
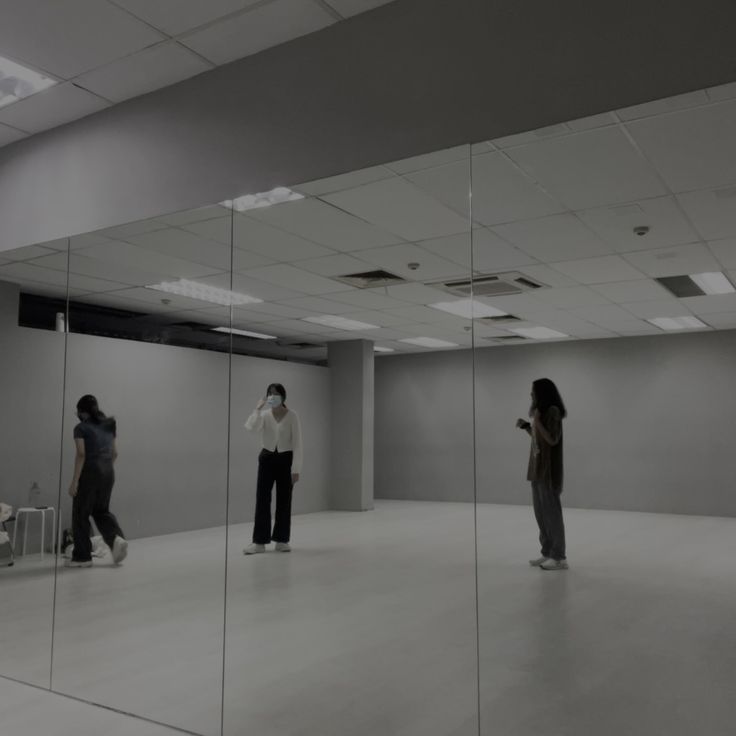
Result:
[{"x": 369, "y": 627}]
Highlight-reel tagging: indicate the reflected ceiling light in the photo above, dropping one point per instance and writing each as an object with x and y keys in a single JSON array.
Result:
[
  {"x": 429, "y": 342},
  {"x": 538, "y": 333},
  {"x": 469, "y": 308},
  {"x": 244, "y": 333},
  {"x": 713, "y": 283},
  {"x": 340, "y": 323},
  {"x": 204, "y": 293},
  {"x": 677, "y": 323},
  {"x": 381, "y": 349},
  {"x": 262, "y": 199},
  {"x": 17, "y": 82}
]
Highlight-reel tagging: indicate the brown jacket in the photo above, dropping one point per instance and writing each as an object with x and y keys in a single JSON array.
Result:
[{"x": 545, "y": 456}]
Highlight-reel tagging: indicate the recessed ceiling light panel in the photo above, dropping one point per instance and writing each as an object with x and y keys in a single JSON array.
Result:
[
  {"x": 17, "y": 82},
  {"x": 713, "y": 283},
  {"x": 340, "y": 323},
  {"x": 538, "y": 333},
  {"x": 262, "y": 199},
  {"x": 429, "y": 342},
  {"x": 677, "y": 323},
  {"x": 245, "y": 333},
  {"x": 204, "y": 293},
  {"x": 469, "y": 308}
]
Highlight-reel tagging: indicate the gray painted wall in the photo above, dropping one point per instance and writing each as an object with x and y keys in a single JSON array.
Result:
[
  {"x": 650, "y": 425},
  {"x": 410, "y": 77},
  {"x": 171, "y": 405}
]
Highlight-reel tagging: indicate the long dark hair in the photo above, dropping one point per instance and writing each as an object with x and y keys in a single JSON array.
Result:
[
  {"x": 88, "y": 405},
  {"x": 546, "y": 396},
  {"x": 277, "y": 388}
]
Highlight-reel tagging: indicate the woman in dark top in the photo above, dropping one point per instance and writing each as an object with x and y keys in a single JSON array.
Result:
[
  {"x": 92, "y": 483},
  {"x": 546, "y": 472}
]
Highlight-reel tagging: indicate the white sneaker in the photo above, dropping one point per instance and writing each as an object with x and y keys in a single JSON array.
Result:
[
  {"x": 539, "y": 561},
  {"x": 254, "y": 549},
  {"x": 119, "y": 550},
  {"x": 78, "y": 563},
  {"x": 283, "y": 547},
  {"x": 554, "y": 565}
]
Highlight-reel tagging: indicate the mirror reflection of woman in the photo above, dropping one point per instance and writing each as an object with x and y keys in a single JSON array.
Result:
[
  {"x": 92, "y": 483},
  {"x": 545, "y": 471},
  {"x": 279, "y": 463}
]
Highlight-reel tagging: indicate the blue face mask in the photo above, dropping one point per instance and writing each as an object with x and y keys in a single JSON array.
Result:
[{"x": 274, "y": 401}]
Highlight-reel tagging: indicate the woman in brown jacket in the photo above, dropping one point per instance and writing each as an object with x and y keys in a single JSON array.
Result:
[{"x": 546, "y": 471}]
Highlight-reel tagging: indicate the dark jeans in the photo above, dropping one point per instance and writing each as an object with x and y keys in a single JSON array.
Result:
[
  {"x": 273, "y": 467},
  {"x": 93, "y": 499},
  {"x": 548, "y": 511}
]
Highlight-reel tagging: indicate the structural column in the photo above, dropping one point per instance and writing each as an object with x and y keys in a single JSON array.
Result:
[{"x": 351, "y": 417}]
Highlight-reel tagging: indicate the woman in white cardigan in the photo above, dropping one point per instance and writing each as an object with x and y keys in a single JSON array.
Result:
[{"x": 280, "y": 462}]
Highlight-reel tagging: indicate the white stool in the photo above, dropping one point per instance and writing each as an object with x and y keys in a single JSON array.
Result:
[{"x": 29, "y": 512}]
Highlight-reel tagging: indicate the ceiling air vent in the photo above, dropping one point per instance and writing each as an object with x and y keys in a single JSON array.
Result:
[
  {"x": 501, "y": 319},
  {"x": 507, "y": 338},
  {"x": 301, "y": 345},
  {"x": 499, "y": 284},
  {"x": 370, "y": 279}
]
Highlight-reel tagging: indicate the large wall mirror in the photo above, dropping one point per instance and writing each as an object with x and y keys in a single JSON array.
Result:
[{"x": 278, "y": 463}]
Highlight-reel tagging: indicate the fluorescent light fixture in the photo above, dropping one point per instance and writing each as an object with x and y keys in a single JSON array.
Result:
[
  {"x": 428, "y": 342},
  {"x": 262, "y": 199},
  {"x": 340, "y": 323},
  {"x": 381, "y": 349},
  {"x": 538, "y": 333},
  {"x": 677, "y": 323},
  {"x": 17, "y": 82},
  {"x": 245, "y": 333},
  {"x": 713, "y": 283},
  {"x": 469, "y": 308},
  {"x": 204, "y": 293}
]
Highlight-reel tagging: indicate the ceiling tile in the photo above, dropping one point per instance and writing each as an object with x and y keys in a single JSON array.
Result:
[
  {"x": 277, "y": 245},
  {"x": 723, "y": 92},
  {"x": 395, "y": 259},
  {"x": 10, "y": 135},
  {"x": 433, "y": 160},
  {"x": 347, "y": 8},
  {"x": 568, "y": 298},
  {"x": 337, "y": 265},
  {"x": 636, "y": 328},
  {"x": 448, "y": 184},
  {"x": 118, "y": 254},
  {"x": 722, "y": 320},
  {"x": 606, "y": 269},
  {"x": 398, "y": 207},
  {"x": 502, "y": 193},
  {"x": 711, "y": 304},
  {"x": 665, "y": 105},
  {"x": 615, "y": 225},
  {"x": 71, "y": 37},
  {"x": 548, "y": 276},
  {"x": 143, "y": 72},
  {"x": 80, "y": 265},
  {"x": 374, "y": 317},
  {"x": 678, "y": 261},
  {"x": 424, "y": 315},
  {"x": 176, "y": 16},
  {"x": 590, "y": 169},
  {"x": 519, "y": 305},
  {"x": 29, "y": 272},
  {"x": 555, "y": 238},
  {"x": 713, "y": 212},
  {"x": 52, "y": 107},
  {"x": 724, "y": 251},
  {"x": 568, "y": 324},
  {"x": 296, "y": 279},
  {"x": 368, "y": 299},
  {"x": 258, "y": 29},
  {"x": 322, "y": 223},
  {"x": 122, "y": 232},
  {"x": 271, "y": 311},
  {"x": 185, "y": 245},
  {"x": 198, "y": 214},
  {"x": 417, "y": 293},
  {"x": 219, "y": 229},
  {"x": 26, "y": 253},
  {"x": 160, "y": 301},
  {"x": 344, "y": 181},
  {"x": 661, "y": 308},
  {"x": 489, "y": 252},
  {"x": 313, "y": 304},
  {"x": 644, "y": 290},
  {"x": 605, "y": 315},
  {"x": 694, "y": 149}
]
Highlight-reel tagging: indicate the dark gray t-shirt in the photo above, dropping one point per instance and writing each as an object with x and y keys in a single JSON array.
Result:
[{"x": 98, "y": 439}]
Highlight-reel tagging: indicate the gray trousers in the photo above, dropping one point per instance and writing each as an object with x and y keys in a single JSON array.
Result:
[{"x": 548, "y": 511}]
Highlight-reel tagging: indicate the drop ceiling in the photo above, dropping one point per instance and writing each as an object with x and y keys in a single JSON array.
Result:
[
  {"x": 102, "y": 52},
  {"x": 558, "y": 205}
]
